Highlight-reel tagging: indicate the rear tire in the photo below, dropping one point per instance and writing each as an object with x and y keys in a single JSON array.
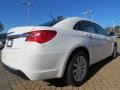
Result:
[{"x": 77, "y": 69}]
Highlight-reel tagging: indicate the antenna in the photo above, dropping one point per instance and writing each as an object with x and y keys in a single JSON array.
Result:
[{"x": 51, "y": 15}]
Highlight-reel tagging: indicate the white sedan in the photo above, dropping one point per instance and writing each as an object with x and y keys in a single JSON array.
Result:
[{"x": 59, "y": 48}]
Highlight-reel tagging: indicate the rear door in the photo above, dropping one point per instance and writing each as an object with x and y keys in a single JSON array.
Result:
[{"x": 95, "y": 39}]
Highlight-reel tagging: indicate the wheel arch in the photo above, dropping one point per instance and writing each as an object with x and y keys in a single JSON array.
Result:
[{"x": 75, "y": 50}]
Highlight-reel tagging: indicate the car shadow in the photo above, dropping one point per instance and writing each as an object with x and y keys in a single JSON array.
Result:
[{"x": 92, "y": 71}]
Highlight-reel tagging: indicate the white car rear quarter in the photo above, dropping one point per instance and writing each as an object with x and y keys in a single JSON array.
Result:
[{"x": 46, "y": 60}]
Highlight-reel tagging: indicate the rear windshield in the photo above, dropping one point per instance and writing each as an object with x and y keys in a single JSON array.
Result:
[{"x": 51, "y": 23}]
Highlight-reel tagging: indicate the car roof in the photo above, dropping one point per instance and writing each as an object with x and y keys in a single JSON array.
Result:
[{"x": 69, "y": 22}]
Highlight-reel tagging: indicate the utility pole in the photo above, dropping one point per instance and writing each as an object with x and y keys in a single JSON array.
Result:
[
  {"x": 84, "y": 14},
  {"x": 28, "y": 4},
  {"x": 89, "y": 13},
  {"x": 92, "y": 17},
  {"x": 114, "y": 23}
]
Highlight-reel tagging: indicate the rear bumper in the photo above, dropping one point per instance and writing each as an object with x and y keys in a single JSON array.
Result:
[
  {"x": 17, "y": 72},
  {"x": 36, "y": 66}
]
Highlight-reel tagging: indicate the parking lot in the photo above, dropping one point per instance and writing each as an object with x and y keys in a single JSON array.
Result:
[{"x": 104, "y": 75}]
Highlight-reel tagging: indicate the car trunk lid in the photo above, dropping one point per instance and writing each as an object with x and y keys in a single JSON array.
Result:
[{"x": 16, "y": 37}]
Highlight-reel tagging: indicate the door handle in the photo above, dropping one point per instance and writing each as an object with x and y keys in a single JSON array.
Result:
[
  {"x": 104, "y": 37},
  {"x": 88, "y": 35}
]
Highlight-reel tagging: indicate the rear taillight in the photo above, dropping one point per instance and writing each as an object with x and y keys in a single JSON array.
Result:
[{"x": 41, "y": 36}]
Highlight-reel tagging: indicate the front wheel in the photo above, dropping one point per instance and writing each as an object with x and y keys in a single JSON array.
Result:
[
  {"x": 114, "y": 54},
  {"x": 77, "y": 69}
]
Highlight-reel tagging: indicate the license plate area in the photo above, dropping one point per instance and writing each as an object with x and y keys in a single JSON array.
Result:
[{"x": 9, "y": 42}]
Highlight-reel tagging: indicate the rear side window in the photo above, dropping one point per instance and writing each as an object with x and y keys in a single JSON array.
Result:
[
  {"x": 85, "y": 26},
  {"x": 100, "y": 30},
  {"x": 51, "y": 23}
]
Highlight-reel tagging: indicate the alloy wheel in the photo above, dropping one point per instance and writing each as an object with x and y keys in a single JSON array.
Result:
[{"x": 79, "y": 68}]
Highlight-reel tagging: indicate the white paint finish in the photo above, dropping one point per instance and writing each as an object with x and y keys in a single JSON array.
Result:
[{"x": 48, "y": 60}]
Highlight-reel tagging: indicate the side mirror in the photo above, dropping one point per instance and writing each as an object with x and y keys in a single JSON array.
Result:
[{"x": 111, "y": 34}]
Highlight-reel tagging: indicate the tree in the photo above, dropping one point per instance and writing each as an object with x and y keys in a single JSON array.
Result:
[
  {"x": 1, "y": 27},
  {"x": 109, "y": 29},
  {"x": 117, "y": 29}
]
